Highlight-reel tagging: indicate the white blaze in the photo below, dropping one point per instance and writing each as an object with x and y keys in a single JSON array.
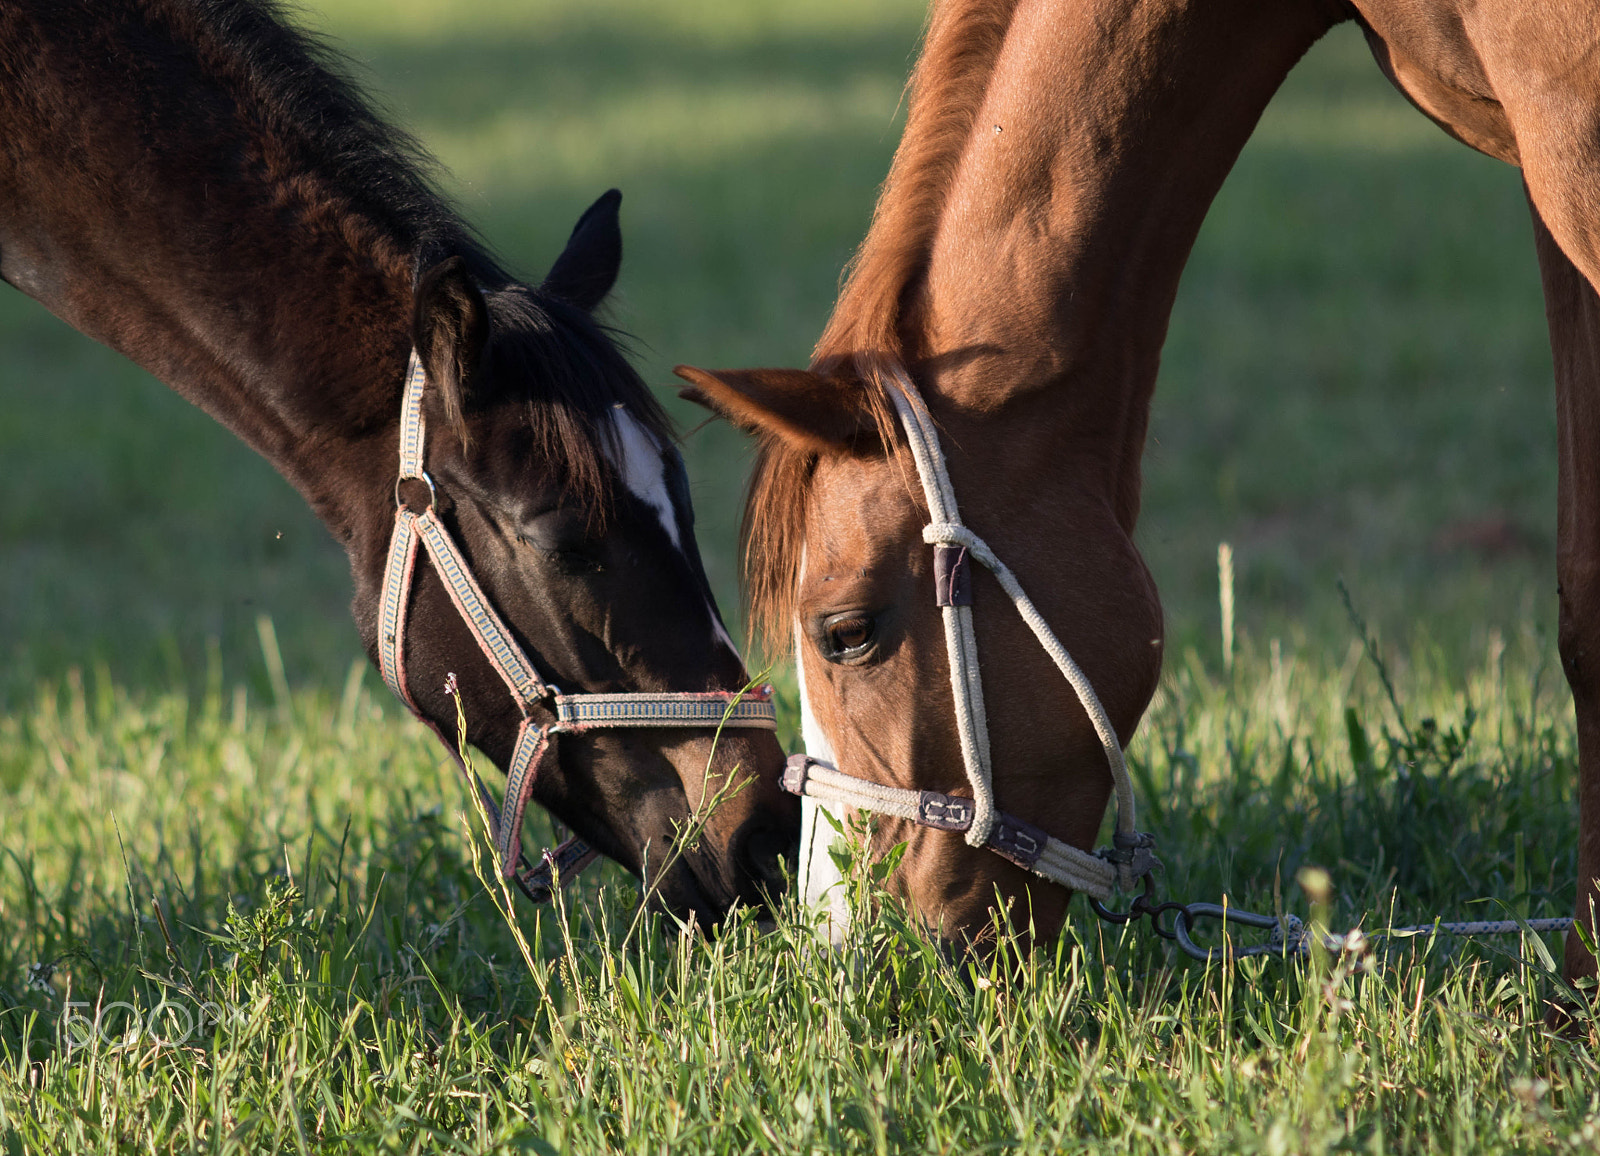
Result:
[
  {"x": 821, "y": 884},
  {"x": 644, "y": 471}
]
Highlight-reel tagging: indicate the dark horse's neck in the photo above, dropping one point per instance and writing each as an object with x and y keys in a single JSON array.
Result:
[
  {"x": 1054, "y": 173},
  {"x": 188, "y": 184}
]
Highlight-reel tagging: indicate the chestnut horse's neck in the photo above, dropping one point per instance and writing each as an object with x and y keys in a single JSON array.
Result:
[
  {"x": 190, "y": 186},
  {"x": 1055, "y": 169}
]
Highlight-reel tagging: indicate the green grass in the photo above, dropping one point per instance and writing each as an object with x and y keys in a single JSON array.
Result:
[
  {"x": 289, "y": 868},
  {"x": 1356, "y": 383}
]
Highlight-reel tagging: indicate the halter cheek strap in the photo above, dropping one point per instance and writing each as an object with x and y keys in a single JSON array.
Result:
[
  {"x": 1131, "y": 857},
  {"x": 574, "y": 713}
]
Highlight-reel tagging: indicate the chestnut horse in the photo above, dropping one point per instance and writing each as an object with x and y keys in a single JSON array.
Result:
[
  {"x": 192, "y": 183},
  {"x": 1058, "y": 159}
]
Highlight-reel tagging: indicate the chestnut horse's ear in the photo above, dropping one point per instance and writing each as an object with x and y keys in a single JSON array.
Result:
[
  {"x": 587, "y": 267},
  {"x": 813, "y": 413},
  {"x": 449, "y": 327}
]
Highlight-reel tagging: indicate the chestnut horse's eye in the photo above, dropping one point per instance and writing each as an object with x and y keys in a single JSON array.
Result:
[{"x": 848, "y": 637}]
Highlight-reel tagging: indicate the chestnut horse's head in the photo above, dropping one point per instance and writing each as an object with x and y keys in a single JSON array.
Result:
[
  {"x": 1020, "y": 267},
  {"x": 836, "y": 561},
  {"x": 554, "y": 471}
]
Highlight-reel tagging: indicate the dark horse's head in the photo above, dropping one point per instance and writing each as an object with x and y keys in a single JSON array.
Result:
[
  {"x": 196, "y": 185},
  {"x": 555, "y": 471}
]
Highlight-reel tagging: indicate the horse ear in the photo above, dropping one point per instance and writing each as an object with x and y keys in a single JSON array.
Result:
[
  {"x": 450, "y": 326},
  {"x": 813, "y": 413},
  {"x": 587, "y": 267}
]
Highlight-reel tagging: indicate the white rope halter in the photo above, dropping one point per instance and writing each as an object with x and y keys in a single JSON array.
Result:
[
  {"x": 1131, "y": 857},
  {"x": 1022, "y": 843},
  {"x": 574, "y": 713}
]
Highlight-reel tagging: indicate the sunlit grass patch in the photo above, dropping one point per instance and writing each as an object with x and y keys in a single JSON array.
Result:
[{"x": 242, "y": 925}]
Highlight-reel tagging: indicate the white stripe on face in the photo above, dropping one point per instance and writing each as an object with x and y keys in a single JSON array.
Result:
[
  {"x": 644, "y": 471},
  {"x": 821, "y": 883}
]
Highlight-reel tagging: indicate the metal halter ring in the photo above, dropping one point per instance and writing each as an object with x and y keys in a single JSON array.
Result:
[
  {"x": 1144, "y": 904},
  {"x": 1289, "y": 936},
  {"x": 433, "y": 494},
  {"x": 1140, "y": 906}
]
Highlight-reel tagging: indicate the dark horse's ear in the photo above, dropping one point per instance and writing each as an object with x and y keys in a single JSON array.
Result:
[
  {"x": 450, "y": 326},
  {"x": 587, "y": 267},
  {"x": 813, "y": 413}
]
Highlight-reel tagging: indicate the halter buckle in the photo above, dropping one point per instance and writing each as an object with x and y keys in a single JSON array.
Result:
[
  {"x": 1132, "y": 854},
  {"x": 795, "y": 772},
  {"x": 1020, "y": 842},
  {"x": 952, "y": 576},
  {"x": 945, "y": 812}
]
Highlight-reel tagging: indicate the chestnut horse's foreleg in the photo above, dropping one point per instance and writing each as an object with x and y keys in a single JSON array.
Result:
[{"x": 1573, "y": 309}]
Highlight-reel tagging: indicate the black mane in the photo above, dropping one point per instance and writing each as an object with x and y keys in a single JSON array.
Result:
[{"x": 301, "y": 90}]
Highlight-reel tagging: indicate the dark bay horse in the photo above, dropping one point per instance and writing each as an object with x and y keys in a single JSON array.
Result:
[
  {"x": 194, "y": 184},
  {"x": 1057, "y": 162}
]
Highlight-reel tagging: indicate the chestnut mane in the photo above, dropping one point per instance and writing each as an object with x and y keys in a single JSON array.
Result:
[{"x": 863, "y": 342}]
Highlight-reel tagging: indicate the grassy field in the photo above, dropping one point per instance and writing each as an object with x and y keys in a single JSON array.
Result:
[{"x": 267, "y": 868}]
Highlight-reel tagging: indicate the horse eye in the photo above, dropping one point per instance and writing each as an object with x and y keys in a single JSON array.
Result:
[
  {"x": 849, "y": 636},
  {"x": 576, "y": 562},
  {"x": 562, "y": 536}
]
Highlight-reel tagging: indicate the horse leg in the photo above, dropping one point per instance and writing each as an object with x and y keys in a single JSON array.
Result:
[{"x": 1573, "y": 311}]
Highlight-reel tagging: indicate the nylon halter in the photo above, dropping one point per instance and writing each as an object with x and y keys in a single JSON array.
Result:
[
  {"x": 574, "y": 713},
  {"x": 1024, "y": 844}
]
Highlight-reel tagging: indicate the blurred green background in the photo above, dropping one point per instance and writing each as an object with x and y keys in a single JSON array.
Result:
[{"x": 1356, "y": 383}]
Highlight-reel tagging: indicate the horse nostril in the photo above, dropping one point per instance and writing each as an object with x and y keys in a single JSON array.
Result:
[{"x": 772, "y": 855}]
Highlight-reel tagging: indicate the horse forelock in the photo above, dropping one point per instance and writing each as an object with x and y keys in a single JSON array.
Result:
[
  {"x": 574, "y": 376},
  {"x": 773, "y": 534},
  {"x": 772, "y": 539}
]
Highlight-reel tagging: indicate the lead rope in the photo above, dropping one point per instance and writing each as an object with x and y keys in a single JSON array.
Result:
[
  {"x": 1289, "y": 934},
  {"x": 574, "y": 713},
  {"x": 1132, "y": 856}
]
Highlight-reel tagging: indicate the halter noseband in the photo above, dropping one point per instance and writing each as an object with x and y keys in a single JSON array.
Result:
[
  {"x": 1131, "y": 857},
  {"x": 575, "y": 713}
]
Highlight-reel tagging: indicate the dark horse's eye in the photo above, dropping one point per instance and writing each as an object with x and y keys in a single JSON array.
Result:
[
  {"x": 848, "y": 637},
  {"x": 575, "y": 562},
  {"x": 562, "y": 536}
]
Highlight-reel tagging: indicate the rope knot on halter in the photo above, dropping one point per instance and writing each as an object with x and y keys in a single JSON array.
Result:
[
  {"x": 955, "y": 534},
  {"x": 1132, "y": 854}
]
